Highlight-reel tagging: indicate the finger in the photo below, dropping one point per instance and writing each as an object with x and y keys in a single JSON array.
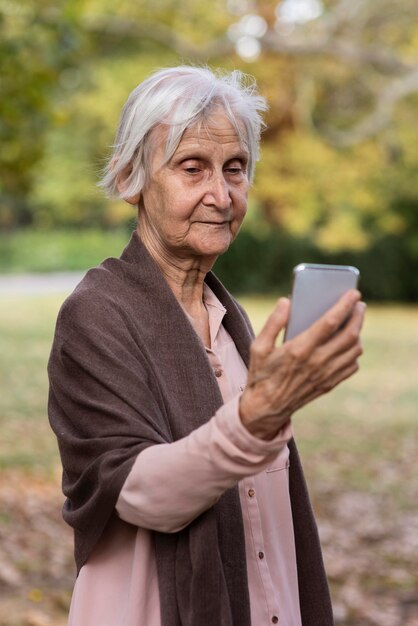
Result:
[
  {"x": 327, "y": 385},
  {"x": 338, "y": 377},
  {"x": 326, "y": 327},
  {"x": 348, "y": 337},
  {"x": 350, "y": 334},
  {"x": 277, "y": 320},
  {"x": 338, "y": 363}
]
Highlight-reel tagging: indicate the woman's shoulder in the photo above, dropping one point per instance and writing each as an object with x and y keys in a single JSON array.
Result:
[{"x": 99, "y": 298}]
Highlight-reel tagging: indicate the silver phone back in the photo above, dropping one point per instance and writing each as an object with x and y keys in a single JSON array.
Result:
[{"x": 316, "y": 288}]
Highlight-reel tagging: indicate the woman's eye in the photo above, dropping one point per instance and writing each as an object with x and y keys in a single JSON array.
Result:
[
  {"x": 235, "y": 170},
  {"x": 235, "y": 167},
  {"x": 192, "y": 170}
]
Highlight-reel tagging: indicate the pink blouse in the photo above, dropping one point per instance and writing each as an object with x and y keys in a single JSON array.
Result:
[{"x": 171, "y": 484}]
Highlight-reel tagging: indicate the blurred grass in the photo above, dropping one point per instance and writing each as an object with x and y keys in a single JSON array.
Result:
[{"x": 26, "y": 330}]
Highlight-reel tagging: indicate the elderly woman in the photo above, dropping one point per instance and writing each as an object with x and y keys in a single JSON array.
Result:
[{"x": 183, "y": 483}]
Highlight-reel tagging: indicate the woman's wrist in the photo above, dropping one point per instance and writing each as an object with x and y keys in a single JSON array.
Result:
[{"x": 256, "y": 418}]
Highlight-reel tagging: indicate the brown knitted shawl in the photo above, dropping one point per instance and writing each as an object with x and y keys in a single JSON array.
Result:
[{"x": 127, "y": 371}]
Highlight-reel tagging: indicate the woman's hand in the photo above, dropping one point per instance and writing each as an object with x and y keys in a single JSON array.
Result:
[{"x": 283, "y": 379}]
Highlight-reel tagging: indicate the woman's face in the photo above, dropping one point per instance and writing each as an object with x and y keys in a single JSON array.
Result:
[{"x": 193, "y": 206}]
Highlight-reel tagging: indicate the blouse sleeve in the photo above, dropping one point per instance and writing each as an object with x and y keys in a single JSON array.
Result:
[{"x": 171, "y": 484}]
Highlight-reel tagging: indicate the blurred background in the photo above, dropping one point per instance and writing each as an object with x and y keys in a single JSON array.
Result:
[{"x": 337, "y": 183}]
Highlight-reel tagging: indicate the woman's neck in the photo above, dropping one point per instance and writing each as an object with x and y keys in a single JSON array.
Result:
[{"x": 185, "y": 277}]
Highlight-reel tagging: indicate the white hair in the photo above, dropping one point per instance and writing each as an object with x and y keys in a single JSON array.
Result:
[{"x": 180, "y": 97}]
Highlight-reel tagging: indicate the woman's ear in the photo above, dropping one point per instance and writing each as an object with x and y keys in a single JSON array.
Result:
[{"x": 121, "y": 182}]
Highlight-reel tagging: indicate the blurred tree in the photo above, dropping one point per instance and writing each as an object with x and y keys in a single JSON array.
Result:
[
  {"x": 121, "y": 53},
  {"x": 340, "y": 77},
  {"x": 39, "y": 47},
  {"x": 352, "y": 139},
  {"x": 358, "y": 56},
  {"x": 339, "y": 160}
]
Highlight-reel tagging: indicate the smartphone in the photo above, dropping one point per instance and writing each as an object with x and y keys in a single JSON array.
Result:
[{"x": 316, "y": 288}]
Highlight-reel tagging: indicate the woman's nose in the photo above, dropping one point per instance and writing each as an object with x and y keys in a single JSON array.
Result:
[{"x": 218, "y": 192}]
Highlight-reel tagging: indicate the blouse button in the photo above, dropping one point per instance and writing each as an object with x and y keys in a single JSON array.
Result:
[
  {"x": 275, "y": 619},
  {"x": 261, "y": 555},
  {"x": 217, "y": 372},
  {"x": 251, "y": 493}
]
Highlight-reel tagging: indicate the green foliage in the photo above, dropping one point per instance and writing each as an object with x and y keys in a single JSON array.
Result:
[
  {"x": 39, "y": 42},
  {"x": 315, "y": 191},
  {"x": 64, "y": 190},
  {"x": 264, "y": 264}
]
